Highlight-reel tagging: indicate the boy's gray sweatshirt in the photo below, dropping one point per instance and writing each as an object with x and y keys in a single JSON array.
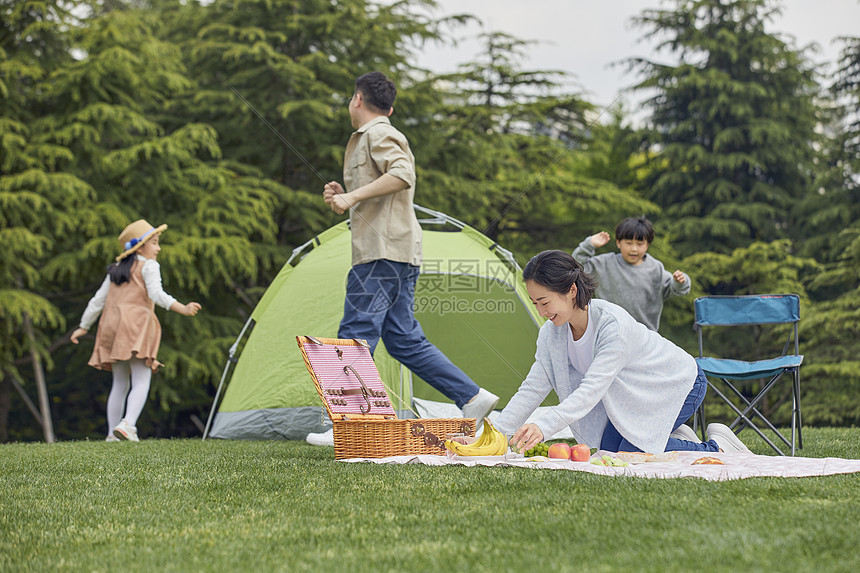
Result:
[{"x": 638, "y": 289}]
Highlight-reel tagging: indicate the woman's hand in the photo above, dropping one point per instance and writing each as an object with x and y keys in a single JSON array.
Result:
[
  {"x": 526, "y": 438},
  {"x": 77, "y": 334}
]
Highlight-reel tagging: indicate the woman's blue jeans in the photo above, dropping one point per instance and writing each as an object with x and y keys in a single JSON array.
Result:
[
  {"x": 379, "y": 304},
  {"x": 613, "y": 441}
]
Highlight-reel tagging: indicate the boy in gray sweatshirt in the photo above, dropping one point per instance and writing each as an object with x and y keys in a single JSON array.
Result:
[{"x": 632, "y": 279}]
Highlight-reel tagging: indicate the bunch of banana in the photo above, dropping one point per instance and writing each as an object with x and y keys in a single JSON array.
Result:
[{"x": 491, "y": 443}]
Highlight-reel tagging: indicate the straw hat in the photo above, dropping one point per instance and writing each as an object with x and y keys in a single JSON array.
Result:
[{"x": 136, "y": 235}]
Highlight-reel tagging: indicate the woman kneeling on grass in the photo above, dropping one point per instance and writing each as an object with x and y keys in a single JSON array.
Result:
[{"x": 621, "y": 386}]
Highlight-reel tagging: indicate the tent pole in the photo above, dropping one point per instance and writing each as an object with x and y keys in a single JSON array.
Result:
[
  {"x": 232, "y": 352},
  {"x": 402, "y": 388},
  {"x": 230, "y": 358}
]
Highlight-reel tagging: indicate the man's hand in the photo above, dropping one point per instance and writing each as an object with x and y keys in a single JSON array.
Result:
[
  {"x": 335, "y": 198},
  {"x": 599, "y": 239},
  {"x": 679, "y": 277},
  {"x": 330, "y": 190}
]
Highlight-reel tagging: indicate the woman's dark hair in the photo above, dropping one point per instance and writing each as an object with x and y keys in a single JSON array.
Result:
[
  {"x": 120, "y": 272},
  {"x": 377, "y": 90},
  {"x": 558, "y": 271},
  {"x": 635, "y": 229}
]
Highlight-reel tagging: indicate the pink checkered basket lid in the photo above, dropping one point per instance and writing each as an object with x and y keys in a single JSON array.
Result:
[{"x": 346, "y": 378}]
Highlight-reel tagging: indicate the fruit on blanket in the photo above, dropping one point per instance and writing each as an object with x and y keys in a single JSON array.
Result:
[
  {"x": 609, "y": 461},
  {"x": 580, "y": 453},
  {"x": 491, "y": 443},
  {"x": 541, "y": 449},
  {"x": 708, "y": 460},
  {"x": 560, "y": 451}
]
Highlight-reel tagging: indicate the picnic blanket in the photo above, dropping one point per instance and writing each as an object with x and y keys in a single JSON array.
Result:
[{"x": 736, "y": 465}]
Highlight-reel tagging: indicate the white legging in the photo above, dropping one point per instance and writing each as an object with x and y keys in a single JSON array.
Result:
[{"x": 136, "y": 374}]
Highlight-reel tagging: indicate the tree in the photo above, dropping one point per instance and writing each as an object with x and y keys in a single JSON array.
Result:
[
  {"x": 508, "y": 149},
  {"x": 733, "y": 124},
  {"x": 835, "y": 203},
  {"x": 41, "y": 204},
  {"x": 122, "y": 110},
  {"x": 111, "y": 158},
  {"x": 833, "y": 234},
  {"x": 274, "y": 78},
  {"x": 223, "y": 123}
]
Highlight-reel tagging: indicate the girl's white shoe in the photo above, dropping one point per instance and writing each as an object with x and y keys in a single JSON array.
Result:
[{"x": 125, "y": 431}]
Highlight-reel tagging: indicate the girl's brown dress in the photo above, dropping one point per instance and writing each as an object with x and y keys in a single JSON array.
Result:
[{"x": 128, "y": 327}]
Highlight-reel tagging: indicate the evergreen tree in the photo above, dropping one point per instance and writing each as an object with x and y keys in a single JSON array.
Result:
[
  {"x": 733, "y": 123},
  {"x": 146, "y": 166},
  {"x": 93, "y": 154},
  {"x": 833, "y": 217},
  {"x": 42, "y": 206},
  {"x": 274, "y": 79},
  {"x": 835, "y": 203},
  {"x": 614, "y": 148},
  {"x": 508, "y": 150}
]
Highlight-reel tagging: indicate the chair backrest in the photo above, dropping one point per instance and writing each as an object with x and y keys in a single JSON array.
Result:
[
  {"x": 751, "y": 309},
  {"x": 747, "y": 309}
]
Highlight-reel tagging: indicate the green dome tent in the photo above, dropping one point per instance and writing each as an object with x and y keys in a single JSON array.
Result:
[{"x": 469, "y": 299}]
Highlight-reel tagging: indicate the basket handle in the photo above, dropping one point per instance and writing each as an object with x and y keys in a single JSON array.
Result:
[
  {"x": 363, "y": 391},
  {"x": 431, "y": 439}
]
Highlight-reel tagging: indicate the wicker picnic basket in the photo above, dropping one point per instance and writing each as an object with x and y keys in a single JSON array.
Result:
[{"x": 365, "y": 423}]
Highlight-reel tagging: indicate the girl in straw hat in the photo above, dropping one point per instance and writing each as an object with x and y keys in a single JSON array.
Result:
[{"x": 129, "y": 333}]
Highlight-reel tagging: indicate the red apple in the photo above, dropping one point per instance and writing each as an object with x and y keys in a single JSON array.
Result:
[
  {"x": 580, "y": 453},
  {"x": 560, "y": 451}
]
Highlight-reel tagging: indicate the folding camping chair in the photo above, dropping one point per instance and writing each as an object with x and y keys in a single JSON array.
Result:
[{"x": 754, "y": 311}]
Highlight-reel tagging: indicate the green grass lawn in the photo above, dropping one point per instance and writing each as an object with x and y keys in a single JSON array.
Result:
[{"x": 187, "y": 505}]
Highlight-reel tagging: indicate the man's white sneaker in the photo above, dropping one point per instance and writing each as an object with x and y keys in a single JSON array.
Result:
[
  {"x": 686, "y": 433},
  {"x": 125, "y": 431},
  {"x": 111, "y": 438},
  {"x": 322, "y": 439},
  {"x": 726, "y": 439},
  {"x": 479, "y": 406}
]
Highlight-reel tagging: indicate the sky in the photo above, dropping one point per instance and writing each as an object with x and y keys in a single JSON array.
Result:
[{"x": 584, "y": 37}]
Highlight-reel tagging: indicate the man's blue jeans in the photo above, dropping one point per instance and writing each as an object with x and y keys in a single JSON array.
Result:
[
  {"x": 379, "y": 304},
  {"x": 614, "y": 442}
]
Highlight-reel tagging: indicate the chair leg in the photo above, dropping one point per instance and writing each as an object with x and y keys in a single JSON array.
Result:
[
  {"x": 793, "y": 423},
  {"x": 751, "y": 406},
  {"x": 748, "y": 422},
  {"x": 797, "y": 404}
]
